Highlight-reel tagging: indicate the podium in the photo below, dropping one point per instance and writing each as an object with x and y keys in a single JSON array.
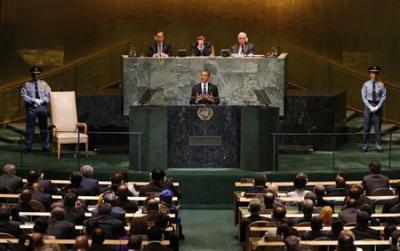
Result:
[{"x": 203, "y": 137}]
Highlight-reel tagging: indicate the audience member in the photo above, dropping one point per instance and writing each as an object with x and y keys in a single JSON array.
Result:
[
  {"x": 73, "y": 214},
  {"x": 8, "y": 226},
  {"x": 362, "y": 230},
  {"x": 259, "y": 184},
  {"x": 9, "y": 181},
  {"x": 58, "y": 226},
  {"x": 123, "y": 192},
  {"x": 316, "y": 230},
  {"x": 375, "y": 179},
  {"x": 82, "y": 242},
  {"x": 39, "y": 194},
  {"x": 155, "y": 236},
  {"x": 88, "y": 183},
  {"x": 299, "y": 183},
  {"x": 98, "y": 237},
  {"x": 349, "y": 213},
  {"x": 346, "y": 242},
  {"x": 75, "y": 185},
  {"x": 326, "y": 215},
  {"x": 254, "y": 210}
]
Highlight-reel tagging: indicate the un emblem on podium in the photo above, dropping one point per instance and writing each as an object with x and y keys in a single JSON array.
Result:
[{"x": 205, "y": 112}]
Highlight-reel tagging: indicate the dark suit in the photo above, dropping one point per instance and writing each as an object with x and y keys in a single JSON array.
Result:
[
  {"x": 372, "y": 182},
  {"x": 10, "y": 227},
  {"x": 207, "y": 49},
  {"x": 91, "y": 186},
  {"x": 150, "y": 188},
  {"x": 256, "y": 189},
  {"x": 101, "y": 247},
  {"x": 153, "y": 49},
  {"x": 74, "y": 215},
  {"x": 212, "y": 90},
  {"x": 248, "y": 49},
  {"x": 127, "y": 205},
  {"x": 10, "y": 183},
  {"x": 114, "y": 228},
  {"x": 390, "y": 204},
  {"x": 45, "y": 198},
  {"x": 363, "y": 232},
  {"x": 153, "y": 246},
  {"x": 312, "y": 235},
  {"x": 61, "y": 229},
  {"x": 348, "y": 215}
]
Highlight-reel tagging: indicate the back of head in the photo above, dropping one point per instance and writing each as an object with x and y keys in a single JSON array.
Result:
[
  {"x": 87, "y": 171},
  {"x": 340, "y": 182},
  {"x": 33, "y": 176},
  {"x": 351, "y": 202},
  {"x": 362, "y": 218},
  {"x": 157, "y": 175},
  {"x": 319, "y": 190},
  {"x": 25, "y": 241},
  {"x": 76, "y": 179},
  {"x": 152, "y": 206},
  {"x": 310, "y": 196},
  {"x": 98, "y": 235},
  {"x": 292, "y": 243},
  {"x": 326, "y": 215},
  {"x": 135, "y": 242},
  {"x": 26, "y": 195},
  {"x": 300, "y": 181},
  {"x": 58, "y": 213},
  {"x": 123, "y": 191},
  {"x": 161, "y": 220},
  {"x": 116, "y": 178},
  {"x": 111, "y": 199},
  {"x": 124, "y": 174},
  {"x": 40, "y": 226},
  {"x": 154, "y": 234},
  {"x": 4, "y": 213},
  {"x": 343, "y": 174},
  {"x": 70, "y": 199},
  {"x": 279, "y": 212},
  {"x": 367, "y": 208},
  {"x": 37, "y": 240},
  {"x": 104, "y": 209},
  {"x": 273, "y": 188},
  {"x": 375, "y": 167},
  {"x": 388, "y": 231},
  {"x": 316, "y": 223},
  {"x": 269, "y": 199},
  {"x": 9, "y": 169},
  {"x": 81, "y": 242},
  {"x": 346, "y": 241},
  {"x": 308, "y": 207},
  {"x": 260, "y": 179},
  {"x": 337, "y": 227},
  {"x": 254, "y": 207},
  {"x": 395, "y": 239},
  {"x": 356, "y": 191}
]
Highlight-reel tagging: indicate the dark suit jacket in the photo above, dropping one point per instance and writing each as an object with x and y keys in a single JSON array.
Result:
[
  {"x": 127, "y": 205},
  {"x": 10, "y": 227},
  {"x": 390, "y": 204},
  {"x": 156, "y": 247},
  {"x": 248, "y": 49},
  {"x": 74, "y": 215},
  {"x": 205, "y": 52},
  {"x": 114, "y": 228},
  {"x": 91, "y": 186},
  {"x": 312, "y": 235},
  {"x": 348, "y": 215},
  {"x": 61, "y": 229},
  {"x": 10, "y": 183},
  {"x": 362, "y": 233},
  {"x": 45, "y": 198},
  {"x": 372, "y": 182},
  {"x": 212, "y": 89},
  {"x": 245, "y": 223},
  {"x": 150, "y": 188},
  {"x": 256, "y": 189},
  {"x": 167, "y": 49},
  {"x": 101, "y": 247}
]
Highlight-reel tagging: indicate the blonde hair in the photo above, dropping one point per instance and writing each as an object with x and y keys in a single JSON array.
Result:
[{"x": 326, "y": 215}]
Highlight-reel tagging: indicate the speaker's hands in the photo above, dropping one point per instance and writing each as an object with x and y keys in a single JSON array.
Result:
[
  {"x": 210, "y": 98},
  {"x": 199, "y": 97}
]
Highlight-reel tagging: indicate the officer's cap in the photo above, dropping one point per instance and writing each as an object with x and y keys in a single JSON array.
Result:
[
  {"x": 374, "y": 68},
  {"x": 35, "y": 70}
]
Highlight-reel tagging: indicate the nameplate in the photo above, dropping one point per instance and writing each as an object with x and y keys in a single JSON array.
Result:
[{"x": 205, "y": 141}]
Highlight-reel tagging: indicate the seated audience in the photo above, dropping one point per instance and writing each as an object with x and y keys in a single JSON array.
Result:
[
  {"x": 156, "y": 185},
  {"x": 155, "y": 236},
  {"x": 38, "y": 243},
  {"x": 123, "y": 202},
  {"x": 270, "y": 200},
  {"x": 299, "y": 183},
  {"x": 130, "y": 185},
  {"x": 346, "y": 242},
  {"x": 75, "y": 185},
  {"x": 336, "y": 229},
  {"x": 340, "y": 188},
  {"x": 39, "y": 194},
  {"x": 349, "y": 213},
  {"x": 40, "y": 226},
  {"x": 357, "y": 192},
  {"x": 308, "y": 210},
  {"x": 393, "y": 203},
  {"x": 58, "y": 226},
  {"x": 166, "y": 202},
  {"x": 24, "y": 205},
  {"x": 88, "y": 183},
  {"x": 279, "y": 215},
  {"x": 72, "y": 213},
  {"x": 34, "y": 176},
  {"x": 8, "y": 226},
  {"x": 259, "y": 184},
  {"x": 395, "y": 241},
  {"x": 254, "y": 210},
  {"x": 163, "y": 221},
  {"x": 135, "y": 243},
  {"x": 25, "y": 243},
  {"x": 116, "y": 180},
  {"x": 362, "y": 230},
  {"x": 375, "y": 179},
  {"x": 113, "y": 227},
  {"x": 98, "y": 237},
  {"x": 320, "y": 192},
  {"x": 316, "y": 230},
  {"x": 9, "y": 181}
]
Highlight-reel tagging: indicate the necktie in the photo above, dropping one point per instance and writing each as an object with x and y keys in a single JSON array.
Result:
[
  {"x": 37, "y": 91},
  {"x": 159, "y": 48},
  {"x": 374, "y": 91}
]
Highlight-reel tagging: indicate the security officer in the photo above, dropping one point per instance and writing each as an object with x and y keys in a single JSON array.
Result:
[
  {"x": 36, "y": 94},
  {"x": 373, "y": 94}
]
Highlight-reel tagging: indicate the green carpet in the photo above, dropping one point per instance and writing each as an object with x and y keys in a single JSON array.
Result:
[{"x": 208, "y": 230}]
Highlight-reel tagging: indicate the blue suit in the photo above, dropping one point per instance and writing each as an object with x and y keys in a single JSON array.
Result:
[
  {"x": 90, "y": 185},
  {"x": 31, "y": 93},
  {"x": 373, "y": 94}
]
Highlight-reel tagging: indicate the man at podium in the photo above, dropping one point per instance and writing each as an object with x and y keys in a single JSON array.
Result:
[{"x": 205, "y": 92}]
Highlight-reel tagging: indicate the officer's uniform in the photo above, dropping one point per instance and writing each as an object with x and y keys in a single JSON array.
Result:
[
  {"x": 36, "y": 95},
  {"x": 373, "y": 94}
]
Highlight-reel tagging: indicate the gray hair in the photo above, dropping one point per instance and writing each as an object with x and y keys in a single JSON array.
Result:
[
  {"x": 9, "y": 168},
  {"x": 87, "y": 170},
  {"x": 242, "y": 34}
]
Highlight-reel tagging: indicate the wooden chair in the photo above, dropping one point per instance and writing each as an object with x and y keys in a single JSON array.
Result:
[
  {"x": 65, "y": 121},
  {"x": 382, "y": 192},
  {"x": 250, "y": 234}
]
